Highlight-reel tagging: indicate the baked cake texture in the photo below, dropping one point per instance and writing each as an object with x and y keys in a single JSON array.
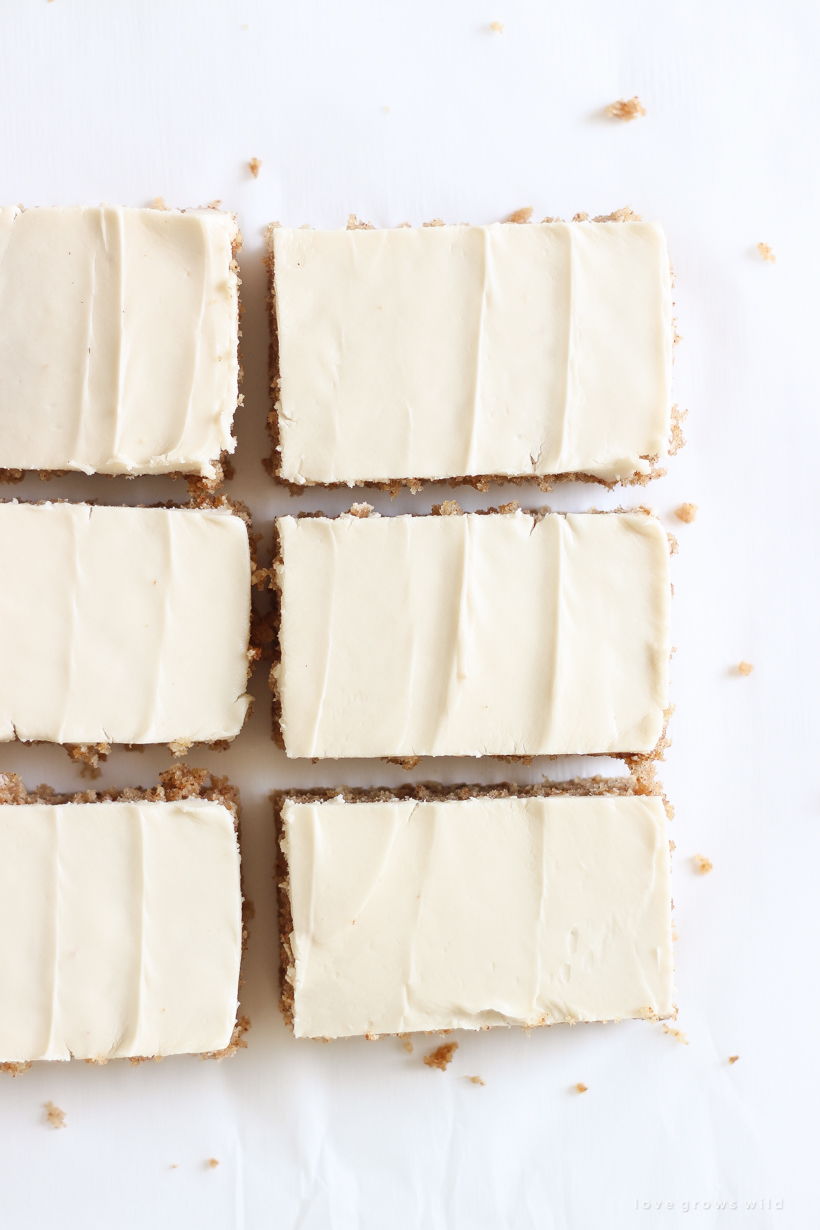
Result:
[
  {"x": 470, "y": 353},
  {"x": 510, "y": 634},
  {"x": 439, "y": 907},
  {"x": 121, "y": 926},
  {"x": 123, "y": 625},
  {"x": 119, "y": 332}
]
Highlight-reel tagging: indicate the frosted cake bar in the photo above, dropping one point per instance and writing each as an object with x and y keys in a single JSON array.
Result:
[
  {"x": 404, "y": 914},
  {"x": 505, "y": 634},
  {"x": 456, "y": 351},
  {"x": 118, "y": 340},
  {"x": 123, "y": 625},
  {"x": 120, "y": 929}
]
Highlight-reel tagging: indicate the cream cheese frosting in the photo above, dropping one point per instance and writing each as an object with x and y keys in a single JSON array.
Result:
[
  {"x": 509, "y": 634},
  {"x": 465, "y": 914},
  {"x": 122, "y": 625},
  {"x": 118, "y": 339},
  {"x": 440, "y": 352},
  {"x": 120, "y": 929}
]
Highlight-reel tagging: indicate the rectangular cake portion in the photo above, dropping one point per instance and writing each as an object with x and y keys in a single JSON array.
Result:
[
  {"x": 120, "y": 929},
  {"x": 119, "y": 333},
  {"x": 456, "y": 351},
  {"x": 123, "y": 625},
  {"x": 506, "y": 634},
  {"x": 404, "y": 914}
]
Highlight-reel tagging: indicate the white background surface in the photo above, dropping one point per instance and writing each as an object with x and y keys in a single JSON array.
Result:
[{"x": 120, "y": 102}]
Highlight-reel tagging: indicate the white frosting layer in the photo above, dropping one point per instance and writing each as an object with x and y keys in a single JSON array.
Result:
[
  {"x": 118, "y": 339},
  {"x": 120, "y": 929},
  {"x": 418, "y": 916},
  {"x": 122, "y": 625},
  {"x": 439, "y": 352},
  {"x": 473, "y": 635}
]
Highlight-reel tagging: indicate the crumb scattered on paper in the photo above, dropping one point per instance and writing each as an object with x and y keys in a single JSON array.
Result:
[
  {"x": 497, "y": 27},
  {"x": 745, "y": 668},
  {"x": 475, "y": 1080},
  {"x": 702, "y": 864},
  {"x": 386, "y": 109},
  {"x": 626, "y": 109},
  {"x": 677, "y": 1034},
  {"x": 733, "y": 1058},
  {"x": 406, "y": 1043},
  {"x": 253, "y": 167},
  {"x": 54, "y": 1115},
  {"x": 520, "y": 215},
  {"x": 580, "y": 1087},
  {"x": 213, "y": 1162},
  {"x": 687, "y": 513},
  {"x": 766, "y": 252},
  {"x": 441, "y": 1056}
]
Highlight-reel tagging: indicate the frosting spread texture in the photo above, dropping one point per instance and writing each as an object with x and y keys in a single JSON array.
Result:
[
  {"x": 514, "y": 634},
  {"x": 118, "y": 339},
  {"x": 441, "y": 352},
  {"x": 123, "y": 625},
  {"x": 120, "y": 929},
  {"x": 441, "y": 915}
]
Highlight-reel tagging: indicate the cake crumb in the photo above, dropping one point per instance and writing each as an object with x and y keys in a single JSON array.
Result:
[
  {"x": 360, "y": 510},
  {"x": 449, "y": 508},
  {"x": 581, "y": 216},
  {"x": 475, "y": 1080},
  {"x": 253, "y": 167},
  {"x": 213, "y": 1162},
  {"x": 702, "y": 864},
  {"x": 520, "y": 215},
  {"x": 733, "y": 1058},
  {"x": 435, "y": 222},
  {"x": 512, "y": 507},
  {"x": 581, "y": 1087},
  {"x": 766, "y": 252},
  {"x": 647, "y": 1014},
  {"x": 497, "y": 27},
  {"x": 677, "y": 1034},
  {"x": 408, "y": 1045},
  {"x": 353, "y": 224},
  {"x": 626, "y": 109},
  {"x": 624, "y": 214},
  {"x": 54, "y": 1115},
  {"x": 174, "y": 1166},
  {"x": 687, "y": 513},
  {"x": 745, "y": 668},
  {"x": 441, "y": 1056},
  {"x": 158, "y": 203},
  {"x": 180, "y": 746}
]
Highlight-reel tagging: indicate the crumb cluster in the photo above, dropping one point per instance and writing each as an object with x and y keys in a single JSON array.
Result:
[
  {"x": 54, "y": 1115},
  {"x": 626, "y": 109},
  {"x": 441, "y": 1056}
]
